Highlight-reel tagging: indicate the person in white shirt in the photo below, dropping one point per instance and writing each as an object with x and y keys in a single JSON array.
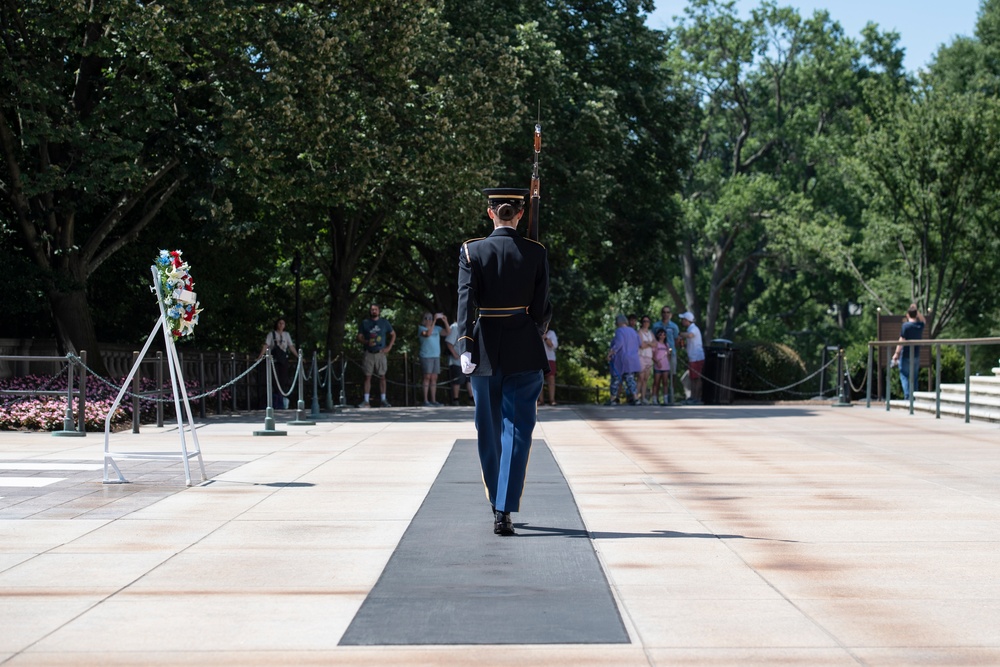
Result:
[
  {"x": 695, "y": 353},
  {"x": 280, "y": 343}
]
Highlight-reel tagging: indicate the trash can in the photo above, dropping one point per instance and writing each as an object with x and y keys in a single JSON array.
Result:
[{"x": 717, "y": 386}]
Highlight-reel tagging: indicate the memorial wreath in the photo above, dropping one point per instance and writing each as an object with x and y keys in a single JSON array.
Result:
[{"x": 180, "y": 303}]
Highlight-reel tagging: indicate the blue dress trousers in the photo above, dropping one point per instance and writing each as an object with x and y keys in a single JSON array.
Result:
[{"x": 503, "y": 310}]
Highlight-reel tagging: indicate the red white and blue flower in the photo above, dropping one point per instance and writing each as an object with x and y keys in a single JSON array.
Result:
[{"x": 180, "y": 303}]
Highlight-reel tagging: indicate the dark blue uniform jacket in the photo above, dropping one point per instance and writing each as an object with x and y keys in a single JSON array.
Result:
[{"x": 501, "y": 274}]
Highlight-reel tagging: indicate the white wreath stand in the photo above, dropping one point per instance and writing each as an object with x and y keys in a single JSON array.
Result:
[{"x": 179, "y": 391}]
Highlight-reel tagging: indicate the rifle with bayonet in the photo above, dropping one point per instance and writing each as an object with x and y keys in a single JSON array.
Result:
[{"x": 534, "y": 190}]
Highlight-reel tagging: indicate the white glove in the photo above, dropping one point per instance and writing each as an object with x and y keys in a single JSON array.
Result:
[{"x": 467, "y": 365}]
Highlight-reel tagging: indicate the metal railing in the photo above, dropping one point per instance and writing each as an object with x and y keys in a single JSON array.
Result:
[
  {"x": 967, "y": 343},
  {"x": 65, "y": 364},
  {"x": 227, "y": 380}
]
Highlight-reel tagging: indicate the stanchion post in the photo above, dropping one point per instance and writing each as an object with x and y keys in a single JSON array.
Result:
[
  {"x": 343, "y": 381},
  {"x": 937, "y": 384},
  {"x": 845, "y": 377},
  {"x": 69, "y": 428},
  {"x": 968, "y": 379},
  {"x": 135, "y": 393},
  {"x": 315, "y": 396},
  {"x": 81, "y": 399},
  {"x": 300, "y": 407},
  {"x": 202, "y": 409},
  {"x": 218, "y": 383},
  {"x": 843, "y": 382},
  {"x": 68, "y": 424},
  {"x": 232, "y": 373},
  {"x": 269, "y": 412},
  {"x": 888, "y": 377},
  {"x": 249, "y": 383},
  {"x": 878, "y": 371},
  {"x": 329, "y": 383},
  {"x": 406, "y": 380},
  {"x": 822, "y": 371},
  {"x": 868, "y": 377},
  {"x": 159, "y": 389}
]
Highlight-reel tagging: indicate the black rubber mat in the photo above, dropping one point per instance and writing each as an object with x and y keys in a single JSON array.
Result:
[{"x": 452, "y": 581}]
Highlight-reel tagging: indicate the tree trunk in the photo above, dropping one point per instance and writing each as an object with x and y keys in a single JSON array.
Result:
[
  {"x": 341, "y": 299},
  {"x": 336, "y": 327},
  {"x": 689, "y": 267},
  {"x": 678, "y": 302},
  {"x": 75, "y": 327}
]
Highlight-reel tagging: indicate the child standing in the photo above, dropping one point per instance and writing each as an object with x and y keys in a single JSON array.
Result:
[{"x": 661, "y": 367}]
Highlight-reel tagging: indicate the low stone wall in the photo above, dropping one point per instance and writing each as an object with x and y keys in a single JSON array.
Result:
[{"x": 23, "y": 347}]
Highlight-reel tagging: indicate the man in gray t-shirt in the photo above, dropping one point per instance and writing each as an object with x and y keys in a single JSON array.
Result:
[{"x": 376, "y": 337}]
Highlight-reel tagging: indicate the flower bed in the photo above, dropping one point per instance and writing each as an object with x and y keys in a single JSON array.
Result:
[{"x": 46, "y": 413}]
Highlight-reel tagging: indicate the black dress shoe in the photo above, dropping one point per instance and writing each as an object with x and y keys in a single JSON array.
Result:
[{"x": 502, "y": 525}]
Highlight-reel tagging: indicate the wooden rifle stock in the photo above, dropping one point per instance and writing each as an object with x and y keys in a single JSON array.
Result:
[{"x": 535, "y": 188}]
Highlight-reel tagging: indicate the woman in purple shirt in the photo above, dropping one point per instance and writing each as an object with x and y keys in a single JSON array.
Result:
[{"x": 624, "y": 359}]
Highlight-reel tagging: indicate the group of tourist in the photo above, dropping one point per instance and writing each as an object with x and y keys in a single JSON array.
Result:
[
  {"x": 430, "y": 352},
  {"x": 377, "y": 336},
  {"x": 643, "y": 358}
]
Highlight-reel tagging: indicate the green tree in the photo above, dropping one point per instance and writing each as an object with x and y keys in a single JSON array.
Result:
[
  {"x": 377, "y": 127},
  {"x": 971, "y": 64},
  {"x": 596, "y": 75},
  {"x": 929, "y": 165},
  {"x": 108, "y": 111},
  {"x": 771, "y": 97}
]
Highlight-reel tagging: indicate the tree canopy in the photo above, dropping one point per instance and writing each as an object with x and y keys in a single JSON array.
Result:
[{"x": 763, "y": 169}]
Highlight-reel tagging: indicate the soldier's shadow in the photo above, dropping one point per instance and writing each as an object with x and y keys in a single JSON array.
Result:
[{"x": 528, "y": 530}]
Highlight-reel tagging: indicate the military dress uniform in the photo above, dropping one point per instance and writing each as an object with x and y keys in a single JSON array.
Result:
[{"x": 503, "y": 311}]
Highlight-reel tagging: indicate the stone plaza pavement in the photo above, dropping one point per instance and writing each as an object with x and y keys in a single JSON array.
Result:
[{"x": 733, "y": 535}]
